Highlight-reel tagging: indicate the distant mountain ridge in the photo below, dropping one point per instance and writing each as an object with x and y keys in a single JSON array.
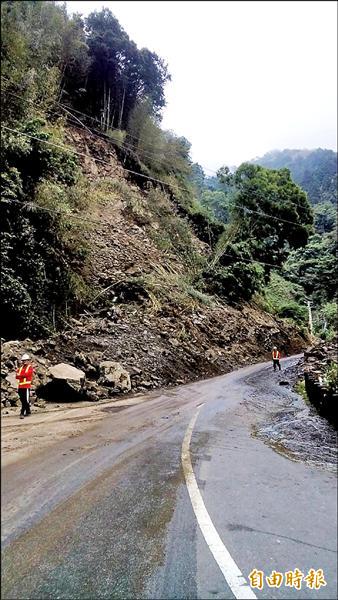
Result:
[{"x": 314, "y": 170}]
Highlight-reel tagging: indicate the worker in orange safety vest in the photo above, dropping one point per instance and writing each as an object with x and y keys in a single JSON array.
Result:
[
  {"x": 24, "y": 374},
  {"x": 276, "y": 358}
]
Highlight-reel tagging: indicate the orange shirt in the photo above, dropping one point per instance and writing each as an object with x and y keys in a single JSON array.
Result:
[
  {"x": 25, "y": 375},
  {"x": 275, "y": 354}
]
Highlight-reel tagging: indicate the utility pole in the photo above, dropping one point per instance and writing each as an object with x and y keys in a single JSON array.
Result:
[{"x": 310, "y": 318}]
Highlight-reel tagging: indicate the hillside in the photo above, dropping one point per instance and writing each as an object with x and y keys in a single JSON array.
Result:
[
  {"x": 307, "y": 272},
  {"x": 144, "y": 311},
  {"x": 312, "y": 267},
  {"x": 314, "y": 170},
  {"x": 109, "y": 250}
]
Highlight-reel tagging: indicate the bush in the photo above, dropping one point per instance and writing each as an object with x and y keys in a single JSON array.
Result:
[
  {"x": 331, "y": 377},
  {"x": 117, "y": 136},
  {"x": 301, "y": 389},
  {"x": 284, "y": 299},
  {"x": 294, "y": 311},
  {"x": 330, "y": 312},
  {"x": 238, "y": 281},
  {"x": 173, "y": 232},
  {"x": 43, "y": 245}
]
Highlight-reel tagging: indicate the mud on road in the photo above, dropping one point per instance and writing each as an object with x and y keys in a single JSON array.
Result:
[
  {"x": 289, "y": 424},
  {"x": 106, "y": 513},
  {"x": 22, "y": 438},
  {"x": 283, "y": 420}
]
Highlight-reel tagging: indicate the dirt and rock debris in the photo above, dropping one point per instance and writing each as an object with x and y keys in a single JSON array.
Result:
[
  {"x": 321, "y": 379},
  {"x": 289, "y": 423},
  {"x": 144, "y": 314},
  {"x": 149, "y": 350}
]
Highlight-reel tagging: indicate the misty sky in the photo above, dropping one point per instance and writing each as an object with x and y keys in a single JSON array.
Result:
[{"x": 247, "y": 77}]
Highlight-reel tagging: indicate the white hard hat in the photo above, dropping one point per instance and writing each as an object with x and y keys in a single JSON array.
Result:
[
  {"x": 25, "y": 357},
  {"x": 275, "y": 347}
]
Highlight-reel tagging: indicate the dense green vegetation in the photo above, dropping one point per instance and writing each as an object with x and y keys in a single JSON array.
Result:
[
  {"x": 285, "y": 299},
  {"x": 48, "y": 60},
  {"x": 314, "y": 170},
  {"x": 314, "y": 267},
  {"x": 309, "y": 273},
  {"x": 268, "y": 216},
  {"x": 253, "y": 221}
]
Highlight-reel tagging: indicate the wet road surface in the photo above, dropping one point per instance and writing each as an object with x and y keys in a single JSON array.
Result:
[{"x": 108, "y": 514}]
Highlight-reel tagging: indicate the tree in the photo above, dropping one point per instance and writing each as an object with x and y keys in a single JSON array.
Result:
[
  {"x": 269, "y": 215},
  {"x": 161, "y": 151},
  {"x": 314, "y": 267},
  {"x": 218, "y": 203},
  {"x": 314, "y": 170},
  {"x": 120, "y": 75},
  {"x": 325, "y": 215},
  {"x": 197, "y": 177},
  {"x": 272, "y": 211},
  {"x": 75, "y": 61},
  {"x": 153, "y": 76},
  {"x": 31, "y": 46}
]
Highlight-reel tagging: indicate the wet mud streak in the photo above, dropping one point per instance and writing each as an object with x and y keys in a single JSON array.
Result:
[
  {"x": 288, "y": 424},
  {"x": 108, "y": 537}
]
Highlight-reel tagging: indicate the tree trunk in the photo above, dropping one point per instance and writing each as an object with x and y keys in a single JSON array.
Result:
[
  {"x": 61, "y": 87},
  {"x": 104, "y": 106},
  {"x": 122, "y": 107},
  {"x": 108, "y": 111},
  {"x": 112, "y": 119}
]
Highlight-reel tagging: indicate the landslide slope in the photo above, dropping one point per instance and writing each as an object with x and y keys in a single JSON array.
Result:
[{"x": 144, "y": 311}]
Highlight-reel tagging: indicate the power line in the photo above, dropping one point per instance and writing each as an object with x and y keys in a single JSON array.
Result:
[
  {"x": 37, "y": 207},
  {"x": 40, "y": 112},
  {"x": 100, "y": 134},
  {"x": 171, "y": 154},
  {"x": 71, "y": 109},
  {"x": 66, "y": 148},
  {"x": 260, "y": 262},
  {"x": 125, "y": 146},
  {"x": 245, "y": 209},
  {"x": 94, "y": 119}
]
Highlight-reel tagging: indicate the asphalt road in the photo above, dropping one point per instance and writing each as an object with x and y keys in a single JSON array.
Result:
[{"x": 115, "y": 512}]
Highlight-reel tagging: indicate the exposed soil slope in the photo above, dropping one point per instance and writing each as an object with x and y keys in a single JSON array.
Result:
[{"x": 144, "y": 311}]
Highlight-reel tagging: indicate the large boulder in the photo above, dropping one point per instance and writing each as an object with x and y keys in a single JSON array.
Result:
[
  {"x": 113, "y": 375},
  {"x": 11, "y": 353},
  {"x": 66, "y": 384},
  {"x": 67, "y": 373},
  {"x": 41, "y": 370}
]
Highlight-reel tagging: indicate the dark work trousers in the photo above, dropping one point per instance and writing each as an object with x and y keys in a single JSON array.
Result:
[
  {"x": 24, "y": 395},
  {"x": 276, "y": 364}
]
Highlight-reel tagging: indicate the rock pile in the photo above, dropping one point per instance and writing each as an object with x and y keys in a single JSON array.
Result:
[
  {"x": 145, "y": 327},
  {"x": 133, "y": 347},
  {"x": 320, "y": 387},
  {"x": 11, "y": 353},
  {"x": 62, "y": 382}
]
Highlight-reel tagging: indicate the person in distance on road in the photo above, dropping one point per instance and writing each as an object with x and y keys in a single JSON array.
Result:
[
  {"x": 276, "y": 358},
  {"x": 24, "y": 374}
]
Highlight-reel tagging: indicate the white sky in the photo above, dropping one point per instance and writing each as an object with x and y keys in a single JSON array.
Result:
[{"x": 247, "y": 77}]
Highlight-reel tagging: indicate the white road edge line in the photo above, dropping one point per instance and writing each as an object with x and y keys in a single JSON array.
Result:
[{"x": 230, "y": 570}]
